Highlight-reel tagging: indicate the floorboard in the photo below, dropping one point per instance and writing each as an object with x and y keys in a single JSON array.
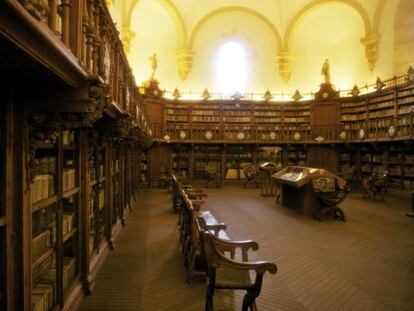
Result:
[{"x": 366, "y": 263}]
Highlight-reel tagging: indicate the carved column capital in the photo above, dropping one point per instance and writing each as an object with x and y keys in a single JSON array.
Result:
[
  {"x": 284, "y": 60},
  {"x": 127, "y": 36},
  {"x": 185, "y": 62},
  {"x": 371, "y": 43}
]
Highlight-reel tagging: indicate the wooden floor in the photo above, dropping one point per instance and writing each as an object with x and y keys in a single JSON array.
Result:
[{"x": 366, "y": 263}]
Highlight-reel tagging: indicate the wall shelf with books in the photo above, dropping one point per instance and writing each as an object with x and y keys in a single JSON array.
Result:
[
  {"x": 205, "y": 113},
  {"x": 115, "y": 187},
  {"x": 237, "y": 157},
  {"x": 294, "y": 155},
  {"x": 54, "y": 197},
  {"x": 206, "y": 157},
  {"x": 180, "y": 161},
  {"x": 97, "y": 201}
]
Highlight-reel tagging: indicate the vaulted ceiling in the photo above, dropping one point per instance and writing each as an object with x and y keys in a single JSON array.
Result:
[{"x": 286, "y": 41}]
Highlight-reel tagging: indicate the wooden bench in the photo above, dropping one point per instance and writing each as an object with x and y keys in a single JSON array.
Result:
[
  {"x": 227, "y": 273},
  {"x": 194, "y": 221}
]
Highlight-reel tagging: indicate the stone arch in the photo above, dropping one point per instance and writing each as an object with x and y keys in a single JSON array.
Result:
[
  {"x": 224, "y": 10},
  {"x": 172, "y": 11},
  {"x": 307, "y": 9}
]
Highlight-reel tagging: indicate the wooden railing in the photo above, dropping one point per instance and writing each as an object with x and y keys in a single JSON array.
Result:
[
  {"x": 372, "y": 130},
  {"x": 82, "y": 34}
]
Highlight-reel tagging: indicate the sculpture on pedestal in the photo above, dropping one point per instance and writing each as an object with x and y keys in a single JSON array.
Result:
[{"x": 325, "y": 72}]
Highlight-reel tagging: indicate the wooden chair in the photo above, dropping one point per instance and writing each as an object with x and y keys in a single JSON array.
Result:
[
  {"x": 251, "y": 173},
  {"x": 329, "y": 194},
  {"x": 226, "y": 273},
  {"x": 375, "y": 184},
  {"x": 198, "y": 221}
]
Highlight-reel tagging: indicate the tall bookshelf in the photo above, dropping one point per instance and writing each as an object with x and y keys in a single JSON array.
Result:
[
  {"x": 206, "y": 157},
  {"x": 115, "y": 187},
  {"x": 237, "y": 157},
  {"x": 180, "y": 158},
  {"x": 97, "y": 182},
  {"x": 55, "y": 209},
  {"x": 294, "y": 155}
]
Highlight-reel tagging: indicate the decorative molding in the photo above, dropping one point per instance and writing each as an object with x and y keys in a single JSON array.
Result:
[
  {"x": 127, "y": 35},
  {"x": 284, "y": 60},
  {"x": 371, "y": 43},
  {"x": 185, "y": 62}
]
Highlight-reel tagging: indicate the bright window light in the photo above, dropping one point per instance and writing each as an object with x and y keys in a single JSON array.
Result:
[{"x": 231, "y": 68}]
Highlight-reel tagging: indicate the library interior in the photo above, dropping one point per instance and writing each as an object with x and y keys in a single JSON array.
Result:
[{"x": 234, "y": 155}]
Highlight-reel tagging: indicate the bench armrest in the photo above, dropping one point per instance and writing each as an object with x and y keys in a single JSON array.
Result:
[
  {"x": 216, "y": 228},
  {"x": 231, "y": 246},
  {"x": 259, "y": 266}
]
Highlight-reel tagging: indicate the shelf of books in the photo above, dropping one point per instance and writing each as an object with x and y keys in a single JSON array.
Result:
[
  {"x": 180, "y": 158},
  {"x": 294, "y": 155},
  {"x": 237, "y": 158},
  {"x": 44, "y": 207},
  {"x": 97, "y": 200},
  {"x": 115, "y": 187},
  {"x": 405, "y": 107},
  {"x": 237, "y": 113},
  {"x": 177, "y": 112},
  {"x": 296, "y": 114},
  {"x": 54, "y": 199},
  {"x": 206, "y": 157},
  {"x": 206, "y": 112},
  {"x": 265, "y": 113}
]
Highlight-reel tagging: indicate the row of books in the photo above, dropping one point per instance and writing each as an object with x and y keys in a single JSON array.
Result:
[
  {"x": 44, "y": 165},
  {"x": 69, "y": 179},
  {"x": 205, "y": 119},
  {"x": 42, "y": 187},
  {"x": 68, "y": 138}
]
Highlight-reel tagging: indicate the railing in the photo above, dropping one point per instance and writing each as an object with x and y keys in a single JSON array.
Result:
[
  {"x": 287, "y": 96},
  {"x": 401, "y": 127},
  {"x": 86, "y": 29}
]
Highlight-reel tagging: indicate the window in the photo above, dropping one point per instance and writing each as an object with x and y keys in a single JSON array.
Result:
[{"x": 231, "y": 68}]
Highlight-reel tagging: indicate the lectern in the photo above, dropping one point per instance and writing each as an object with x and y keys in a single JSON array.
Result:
[{"x": 301, "y": 188}]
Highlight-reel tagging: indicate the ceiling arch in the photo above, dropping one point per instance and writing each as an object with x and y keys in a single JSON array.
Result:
[
  {"x": 224, "y": 10},
  {"x": 378, "y": 13},
  {"x": 307, "y": 9},
  {"x": 175, "y": 16}
]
